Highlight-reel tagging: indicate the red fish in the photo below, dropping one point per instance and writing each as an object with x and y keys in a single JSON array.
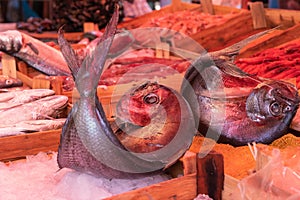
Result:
[{"x": 88, "y": 142}]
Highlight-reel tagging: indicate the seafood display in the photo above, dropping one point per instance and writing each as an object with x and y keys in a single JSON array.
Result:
[
  {"x": 44, "y": 108},
  {"x": 279, "y": 63},
  {"x": 31, "y": 126},
  {"x": 128, "y": 70},
  {"x": 88, "y": 143},
  {"x": 236, "y": 107},
  {"x": 34, "y": 52},
  {"x": 187, "y": 22},
  {"x": 75, "y": 13},
  {"x": 31, "y": 110},
  {"x": 125, "y": 105},
  {"x": 15, "y": 98},
  {"x": 35, "y": 24}
]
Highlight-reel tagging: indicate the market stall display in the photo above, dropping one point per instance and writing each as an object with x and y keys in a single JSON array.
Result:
[{"x": 216, "y": 174}]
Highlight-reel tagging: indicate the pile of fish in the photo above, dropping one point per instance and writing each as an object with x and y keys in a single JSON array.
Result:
[
  {"x": 279, "y": 63},
  {"x": 188, "y": 22},
  {"x": 31, "y": 110},
  {"x": 154, "y": 124}
]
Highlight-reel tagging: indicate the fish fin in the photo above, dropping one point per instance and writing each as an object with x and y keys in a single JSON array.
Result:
[
  {"x": 234, "y": 49},
  {"x": 69, "y": 54},
  {"x": 92, "y": 66}
]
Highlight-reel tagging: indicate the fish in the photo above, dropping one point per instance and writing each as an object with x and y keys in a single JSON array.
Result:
[
  {"x": 88, "y": 143},
  {"x": 34, "y": 52},
  {"x": 12, "y": 99},
  {"x": 146, "y": 127},
  {"x": 234, "y": 107},
  {"x": 30, "y": 126},
  {"x": 49, "y": 60},
  {"x": 8, "y": 82},
  {"x": 45, "y": 108}
]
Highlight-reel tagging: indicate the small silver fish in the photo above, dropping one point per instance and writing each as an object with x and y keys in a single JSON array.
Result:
[
  {"x": 31, "y": 126},
  {"x": 34, "y": 52},
  {"x": 14, "y": 98},
  {"x": 45, "y": 108}
]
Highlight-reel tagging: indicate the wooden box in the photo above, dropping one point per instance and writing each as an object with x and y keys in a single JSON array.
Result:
[
  {"x": 213, "y": 38},
  {"x": 193, "y": 181}
]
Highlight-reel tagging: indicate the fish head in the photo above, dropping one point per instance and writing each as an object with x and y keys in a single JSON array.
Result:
[
  {"x": 58, "y": 105},
  {"x": 7, "y": 82},
  {"x": 142, "y": 103},
  {"x": 276, "y": 100}
]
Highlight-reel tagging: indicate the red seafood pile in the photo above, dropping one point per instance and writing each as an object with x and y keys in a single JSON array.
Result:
[
  {"x": 187, "y": 22},
  {"x": 125, "y": 70},
  {"x": 280, "y": 63}
]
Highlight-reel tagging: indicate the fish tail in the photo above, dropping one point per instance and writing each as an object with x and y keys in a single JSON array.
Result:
[
  {"x": 235, "y": 48},
  {"x": 90, "y": 69}
]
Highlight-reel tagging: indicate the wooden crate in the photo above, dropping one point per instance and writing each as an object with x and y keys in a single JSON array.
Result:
[
  {"x": 194, "y": 179},
  {"x": 273, "y": 39},
  {"x": 212, "y": 38}
]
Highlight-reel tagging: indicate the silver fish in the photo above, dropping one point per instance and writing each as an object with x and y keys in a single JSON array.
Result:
[
  {"x": 34, "y": 52},
  {"x": 15, "y": 98},
  {"x": 260, "y": 110},
  {"x": 88, "y": 143},
  {"x": 45, "y": 108},
  {"x": 31, "y": 126}
]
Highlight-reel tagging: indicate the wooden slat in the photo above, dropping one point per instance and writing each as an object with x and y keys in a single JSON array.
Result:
[
  {"x": 28, "y": 144},
  {"x": 210, "y": 175},
  {"x": 215, "y": 38},
  {"x": 9, "y": 66},
  {"x": 271, "y": 40},
  {"x": 207, "y": 6},
  {"x": 230, "y": 187},
  {"x": 25, "y": 79},
  {"x": 41, "y": 82},
  {"x": 258, "y": 15},
  {"x": 189, "y": 163},
  {"x": 282, "y": 17},
  {"x": 183, "y": 188}
]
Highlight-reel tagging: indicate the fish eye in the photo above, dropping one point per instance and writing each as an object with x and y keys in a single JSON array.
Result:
[
  {"x": 275, "y": 109},
  {"x": 151, "y": 98},
  {"x": 8, "y": 82},
  {"x": 287, "y": 109}
]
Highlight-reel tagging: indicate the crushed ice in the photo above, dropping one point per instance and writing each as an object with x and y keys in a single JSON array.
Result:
[{"x": 38, "y": 177}]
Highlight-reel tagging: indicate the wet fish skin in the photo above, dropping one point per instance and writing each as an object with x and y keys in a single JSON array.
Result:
[
  {"x": 31, "y": 126},
  {"x": 88, "y": 143},
  {"x": 247, "y": 117},
  {"x": 150, "y": 117},
  {"x": 8, "y": 82},
  {"x": 34, "y": 52},
  {"x": 45, "y": 108},
  {"x": 15, "y": 98}
]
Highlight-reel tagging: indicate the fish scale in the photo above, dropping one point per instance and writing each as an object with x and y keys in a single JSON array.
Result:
[
  {"x": 88, "y": 143},
  {"x": 244, "y": 117}
]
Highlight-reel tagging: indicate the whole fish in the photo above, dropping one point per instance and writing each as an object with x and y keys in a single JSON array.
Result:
[
  {"x": 44, "y": 108},
  {"x": 88, "y": 143},
  {"x": 34, "y": 52},
  {"x": 235, "y": 107},
  {"x": 8, "y": 82},
  {"x": 15, "y": 98},
  {"x": 48, "y": 59},
  {"x": 31, "y": 126}
]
